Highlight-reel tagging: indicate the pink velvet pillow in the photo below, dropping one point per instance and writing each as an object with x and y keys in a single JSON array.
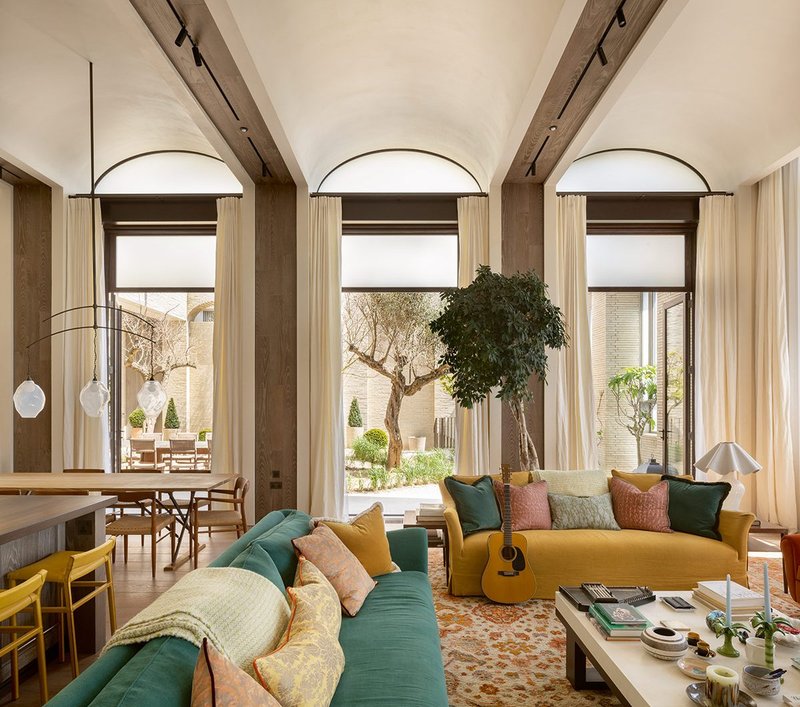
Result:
[
  {"x": 641, "y": 510},
  {"x": 529, "y": 507}
]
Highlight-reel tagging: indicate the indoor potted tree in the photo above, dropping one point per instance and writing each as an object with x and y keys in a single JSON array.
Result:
[
  {"x": 496, "y": 332},
  {"x": 355, "y": 424},
  {"x": 171, "y": 421},
  {"x": 136, "y": 420}
]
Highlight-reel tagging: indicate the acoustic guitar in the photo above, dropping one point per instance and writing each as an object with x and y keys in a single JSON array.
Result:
[{"x": 508, "y": 578}]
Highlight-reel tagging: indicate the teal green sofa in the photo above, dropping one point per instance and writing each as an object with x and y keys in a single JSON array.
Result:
[{"x": 391, "y": 648}]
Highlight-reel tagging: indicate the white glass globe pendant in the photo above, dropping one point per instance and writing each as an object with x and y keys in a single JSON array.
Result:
[
  {"x": 29, "y": 399},
  {"x": 151, "y": 398},
  {"x": 94, "y": 398}
]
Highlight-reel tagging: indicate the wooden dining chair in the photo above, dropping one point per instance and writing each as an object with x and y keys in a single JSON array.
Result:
[
  {"x": 150, "y": 523},
  {"x": 231, "y": 518},
  {"x": 24, "y": 598},
  {"x": 182, "y": 455},
  {"x": 67, "y": 569}
]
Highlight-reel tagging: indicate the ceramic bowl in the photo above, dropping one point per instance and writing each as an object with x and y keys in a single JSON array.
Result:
[
  {"x": 664, "y": 643},
  {"x": 754, "y": 650},
  {"x": 713, "y": 616},
  {"x": 756, "y": 681}
]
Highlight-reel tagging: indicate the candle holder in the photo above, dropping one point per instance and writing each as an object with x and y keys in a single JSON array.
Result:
[
  {"x": 766, "y": 628},
  {"x": 722, "y": 628}
]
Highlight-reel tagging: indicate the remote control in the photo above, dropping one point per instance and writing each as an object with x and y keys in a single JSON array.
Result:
[{"x": 598, "y": 592}]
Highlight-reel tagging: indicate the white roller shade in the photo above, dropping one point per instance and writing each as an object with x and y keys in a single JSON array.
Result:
[
  {"x": 168, "y": 262},
  {"x": 651, "y": 261}
]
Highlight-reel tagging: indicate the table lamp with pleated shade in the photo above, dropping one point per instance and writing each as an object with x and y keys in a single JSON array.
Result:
[{"x": 729, "y": 458}]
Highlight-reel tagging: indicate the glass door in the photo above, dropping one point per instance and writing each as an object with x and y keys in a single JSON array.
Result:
[{"x": 674, "y": 389}]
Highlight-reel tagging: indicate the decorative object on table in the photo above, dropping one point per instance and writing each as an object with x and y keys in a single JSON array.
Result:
[
  {"x": 755, "y": 650},
  {"x": 696, "y": 692},
  {"x": 635, "y": 596},
  {"x": 694, "y": 666},
  {"x": 722, "y": 686},
  {"x": 744, "y": 602},
  {"x": 693, "y": 637},
  {"x": 496, "y": 333},
  {"x": 704, "y": 650},
  {"x": 618, "y": 621},
  {"x": 653, "y": 467},
  {"x": 431, "y": 510},
  {"x": 766, "y": 628},
  {"x": 714, "y": 617},
  {"x": 724, "y": 626},
  {"x": 508, "y": 578},
  {"x": 664, "y": 643},
  {"x": 761, "y": 681},
  {"x": 729, "y": 458},
  {"x": 29, "y": 398}
]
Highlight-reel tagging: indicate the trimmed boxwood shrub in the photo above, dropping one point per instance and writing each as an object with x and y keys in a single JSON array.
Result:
[
  {"x": 354, "y": 418},
  {"x": 377, "y": 436},
  {"x": 137, "y": 418},
  {"x": 171, "y": 421}
]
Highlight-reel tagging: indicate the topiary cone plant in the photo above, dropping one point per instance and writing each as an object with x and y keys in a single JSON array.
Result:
[{"x": 496, "y": 332}]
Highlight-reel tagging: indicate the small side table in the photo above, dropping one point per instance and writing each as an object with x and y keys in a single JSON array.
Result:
[
  {"x": 765, "y": 528},
  {"x": 412, "y": 520}
]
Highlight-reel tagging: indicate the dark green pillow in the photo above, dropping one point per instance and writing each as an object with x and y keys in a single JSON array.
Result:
[
  {"x": 476, "y": 504},
  {"x": 694, "y": 506},
  {"x": 256, "y": 559}
]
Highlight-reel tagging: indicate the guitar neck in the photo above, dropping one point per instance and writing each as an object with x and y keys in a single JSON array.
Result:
[{"x": 507, "y": 514}]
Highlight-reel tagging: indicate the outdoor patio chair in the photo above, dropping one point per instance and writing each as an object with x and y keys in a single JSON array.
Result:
[{"x": 182, "y": 455}]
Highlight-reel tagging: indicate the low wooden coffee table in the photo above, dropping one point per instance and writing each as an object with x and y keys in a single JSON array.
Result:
[
  {"x": 412, "y": 520},
  {"x": 636, "y": 678},
  {"x": 765, "y": 528}
]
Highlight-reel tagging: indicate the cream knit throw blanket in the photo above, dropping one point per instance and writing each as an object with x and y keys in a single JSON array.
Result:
[{"x": 242, "y": 613}]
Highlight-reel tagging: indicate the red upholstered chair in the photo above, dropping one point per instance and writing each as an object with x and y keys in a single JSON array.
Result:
[{"x": 790, "y": 548}]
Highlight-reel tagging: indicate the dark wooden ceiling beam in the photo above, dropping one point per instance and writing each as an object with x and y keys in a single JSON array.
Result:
[
  {"x": 14, "y": 176},
  {"x": 578, "y": 82},
  {"x": 218, "y": 86}
]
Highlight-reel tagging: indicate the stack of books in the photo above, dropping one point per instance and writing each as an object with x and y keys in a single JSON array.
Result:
[
  {"x": 430, "y": 510},
  {"x": 618, "y": 622},
  {"x": 744, "y": 602}
]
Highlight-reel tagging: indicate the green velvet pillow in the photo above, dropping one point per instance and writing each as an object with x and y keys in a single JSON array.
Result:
[
  {"x": 476, "y": 504},
  {"x": 694, "y": 506},
  {"x": 256, "y": 559}
]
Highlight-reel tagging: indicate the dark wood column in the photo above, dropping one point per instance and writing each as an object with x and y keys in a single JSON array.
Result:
[
  {"x": 523, "y": 249},
  {"x": 33, "y": 230},
  {"x": 276, "y": 347}
]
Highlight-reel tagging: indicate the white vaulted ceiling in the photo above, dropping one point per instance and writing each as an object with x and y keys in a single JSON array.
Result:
[
  {"x": 44, "y": 109},
  {"x": 721, "y": 90},
  {"x": 351, "y": 76}
]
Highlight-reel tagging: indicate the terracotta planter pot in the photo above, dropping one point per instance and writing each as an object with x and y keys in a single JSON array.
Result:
[
  {"x": 417, "y": 444},
  {"x": 351, "y": 433},
  {"x": 136, "y": 432},
  {"x": 168, "y": 433}
]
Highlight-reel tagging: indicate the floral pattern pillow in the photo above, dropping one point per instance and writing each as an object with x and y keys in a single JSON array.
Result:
[
  {"x": 306, "y": 666},
  {"x": 570, "y": 512}
]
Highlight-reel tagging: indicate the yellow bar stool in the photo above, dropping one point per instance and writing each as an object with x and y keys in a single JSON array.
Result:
[
  {"x": 24, "y": 598},
  {"x": 65, "y": 569}
]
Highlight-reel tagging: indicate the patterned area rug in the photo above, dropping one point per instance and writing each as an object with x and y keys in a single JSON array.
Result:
[{"x": 498, "y": 655}]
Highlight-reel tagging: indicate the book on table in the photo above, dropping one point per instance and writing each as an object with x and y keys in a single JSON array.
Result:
[
  {"x": 618, "y": 620},
  {"x": 630, "y": 636},
  {"x": 737, "y": 614},
  {"x": 741, "y": 597}
]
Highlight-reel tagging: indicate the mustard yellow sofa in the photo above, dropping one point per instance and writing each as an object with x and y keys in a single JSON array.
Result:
[{"x": 662, "y": 561}]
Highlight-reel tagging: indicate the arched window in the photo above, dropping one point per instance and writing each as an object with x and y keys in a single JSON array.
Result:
[
  {"x": 399, "y": 171},
  {"x": 169, "y": 172},
  {"x": 634, "y": 170}
]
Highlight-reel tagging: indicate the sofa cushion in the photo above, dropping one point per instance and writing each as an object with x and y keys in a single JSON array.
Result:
[
  {"x": 476, "y": 504},
  {"x": 529, "y": 507},
  {"x": 641, "y": 510},
  {"x": 256, "y": 559},
  {"x": 277, "y": 541},
  {"x": 694, "y": 506},
  {"x": 570, "y": 512},
  {"x": 573, "y": 483},
  {"x": 392, "y": 651},
  {"x": 643, "y": 482},
  {"x": 365, "y": 537}
]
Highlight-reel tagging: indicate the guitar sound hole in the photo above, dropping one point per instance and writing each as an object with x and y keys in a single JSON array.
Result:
[{"x": 508, "y": 553}]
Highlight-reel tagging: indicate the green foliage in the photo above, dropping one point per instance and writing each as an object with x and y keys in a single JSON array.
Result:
[
  {"x": 201, "y": 436},
  {"x": 427, "y": 467},
  {"x": 379, "y": 477},
  {"x": 634, "y": 390},
  {"x": 496, "y": 332},
  {"x": 137, "y": 418},
  {"x": 354, "y": 418},
  {"x": 377, "y": 436},
  {"x": 171, "y": 421},
  {"x": 365, "y": 450}
]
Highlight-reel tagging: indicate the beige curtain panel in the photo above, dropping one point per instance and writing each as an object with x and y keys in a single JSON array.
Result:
[
  {"x": 576, "y": 438},
  {"x": 227, "y": 444},
  {"x": 326, "y": 433},
  {"x": 472, "y": 426},
  {"x": 716, "y": 327},
  {"x": 86, "y": 442}
]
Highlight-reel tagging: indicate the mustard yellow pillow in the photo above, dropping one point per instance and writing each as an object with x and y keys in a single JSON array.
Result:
[
  {"x": 365, "y": 537},
  {"x": 643, "y": 482},
  {"x": 217, "y": 682},
  {"x": 306, "y": 666}
]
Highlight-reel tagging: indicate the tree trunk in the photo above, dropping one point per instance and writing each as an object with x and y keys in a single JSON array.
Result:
[
  {"x": 392, "y": 423},
  {"x": 639, "y": 449},
  {"x": 528, "y": 459}
]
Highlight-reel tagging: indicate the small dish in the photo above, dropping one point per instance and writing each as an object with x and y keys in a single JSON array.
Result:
[
  {"x": 697, "y": 694},
  {"x": 711, "y": 653},
  {"x": 756, "y": 679},
  {"x": 694, "y": 666}
]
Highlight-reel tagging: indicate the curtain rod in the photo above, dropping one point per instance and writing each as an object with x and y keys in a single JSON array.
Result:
[
  {"x": 397, "y": 195},
  {"x": 154, "y": 196},
  {"x": 631, "y": 194}
]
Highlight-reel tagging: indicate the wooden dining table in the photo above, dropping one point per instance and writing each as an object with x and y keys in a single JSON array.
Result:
[{"x": 113, "y": 484}]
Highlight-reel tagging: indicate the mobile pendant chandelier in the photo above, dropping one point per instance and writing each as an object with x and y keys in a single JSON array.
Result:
[{"x": 29, "y": 398}]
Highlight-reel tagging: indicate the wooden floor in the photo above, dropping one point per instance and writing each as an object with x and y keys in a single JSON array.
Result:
[{"x": 135, "y": 589}]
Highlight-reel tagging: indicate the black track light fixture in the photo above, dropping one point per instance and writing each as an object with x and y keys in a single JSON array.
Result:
[
  {"x": 198, "y": 57},
  {"x": 601, "y": 54},
  {"x": 621, "y": 20},
  {"x": 179, "y": 40}
]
